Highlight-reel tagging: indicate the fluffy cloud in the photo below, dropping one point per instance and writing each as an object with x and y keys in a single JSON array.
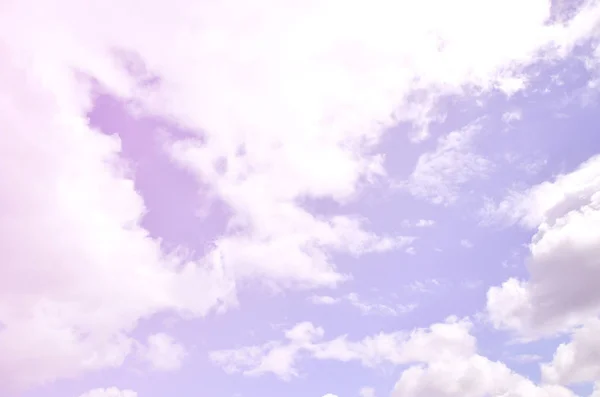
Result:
[
  {"x": 110, "y": 392},
  {"x": 266, "y": 86},
  {"x": 444, "y": 361},
  {"x": 163, "y": 353},
  {"x": 274, "y": 357},
  {"x": 564, "y": 254},
  {"x": 561, "y": 293},
  {"x": 474, "y": 376},
  {"x": 578, "y": 360},
  {"x": 78, "y": 269},
  {"x": 444, "y": 339}
]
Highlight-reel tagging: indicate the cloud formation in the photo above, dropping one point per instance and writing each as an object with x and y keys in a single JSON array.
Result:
[
  {"x": 443, "y": 360},
  {"x": 564, "y": 257},
  {"x": 285, "y": 106}
]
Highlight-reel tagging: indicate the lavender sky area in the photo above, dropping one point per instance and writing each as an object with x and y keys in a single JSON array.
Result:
[{"x": 320, "y": 198}]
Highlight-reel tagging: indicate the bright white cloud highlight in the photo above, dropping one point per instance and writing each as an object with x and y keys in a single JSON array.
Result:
[
  {"x": 110, "y": 392},
  {"x": 425, "y": 223}
]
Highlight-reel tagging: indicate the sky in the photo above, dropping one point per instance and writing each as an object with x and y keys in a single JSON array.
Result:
[{"x": 299, "y": 198}]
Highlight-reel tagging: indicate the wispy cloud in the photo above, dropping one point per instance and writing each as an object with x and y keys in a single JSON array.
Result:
[
  {"x": 466, "y": 243},
  {"x": 439, "y": 175},
  {"x": 365, "y": 307}
]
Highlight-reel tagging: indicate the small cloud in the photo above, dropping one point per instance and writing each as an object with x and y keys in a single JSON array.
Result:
[
  {"x": 323, "y": 300},
  {"x": 425, "y": 223},
  {"x": 110, "y": 392},
  {"x": 513, "y": 115},
  {"x": 527, "y": 358},
  {"x": 366, "y": 308},
  {"x": 512, "y": 85},
  {"x": 163, "y": 353},
  {"x": 466, "y": 243},
  {"x": 424, "y": 286},
  {"x": 411, "y": 251},
  {"x": 533, "y": 167},
  {"x": 439, "y": 175},
  {"x": 472, "y": 284},
  {"x": 367, "y": 392},
  {"x": 403, "y": 309},
  {"x": 509, "y": 265}
]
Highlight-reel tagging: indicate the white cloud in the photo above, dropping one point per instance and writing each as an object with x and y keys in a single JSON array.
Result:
[
  {"x": 295, "y": 250},
  {"x": 364, "y": 306},
  {"x": 466, "y": 243},
  {"x": 528, "y": 358},
  {"x": 110, "y": 392},
  {"x": 274, "y": 357},
  {"x": 323, "y": 300},
  {"x": 425, "y": 286},
  {"x": 425, "y": 223},
  {"x": 411, "y": 251},
  {"x": 444, "y": 339},
  {"x": 473, "y": 376},
  {"x": 269, "y": 90},
  {"x": 163, "y": 353},
  {"x": 443, "y": 356},
  {"x": 564, "y": 255},
  {"x": 561, "y": 294},
  {"x": 472, "y": 284},
  {"x": 513, "y": 115},
  {"x": 439, "y": 175},
  {"x": 548, "y": 201},
  {"x": 578, "y": 360},
  {"x": 69, "y": 232},
  {"x": 366, "y": 392},
  {"x": 418, "y": 223},
  {"x": 596, "y": 391}
]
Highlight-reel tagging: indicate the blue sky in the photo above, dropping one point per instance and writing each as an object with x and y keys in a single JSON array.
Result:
[{"x": 329, "y": 199}]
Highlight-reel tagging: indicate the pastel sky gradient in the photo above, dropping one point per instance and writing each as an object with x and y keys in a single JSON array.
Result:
[{"x": 316, "y": 198}]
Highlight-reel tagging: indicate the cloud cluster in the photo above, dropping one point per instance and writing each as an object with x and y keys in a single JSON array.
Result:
[
  {"x": 77, "y": 271},
  {"x": 286, "y": 110},
  {"x": 561, "y": 294},
  {"x": 564, "y": 254},
  {"x": 443, "y": 360}
]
